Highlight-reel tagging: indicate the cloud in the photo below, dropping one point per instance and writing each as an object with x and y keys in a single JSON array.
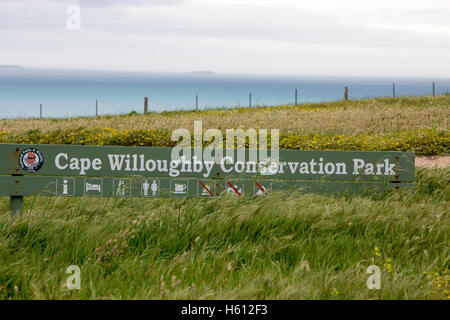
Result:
[
  {"x": 202, "y": 34},
  {"x": 109, "y": 3},
  {"x": 223, "y": 22}
]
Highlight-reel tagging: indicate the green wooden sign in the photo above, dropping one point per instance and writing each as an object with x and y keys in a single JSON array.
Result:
[{"x": 146, "y": 172}]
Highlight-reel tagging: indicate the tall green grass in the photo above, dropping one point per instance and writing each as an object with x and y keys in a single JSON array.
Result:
[{"x": 283, "y": 246}]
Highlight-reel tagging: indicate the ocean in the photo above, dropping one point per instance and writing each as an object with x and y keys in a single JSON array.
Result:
[{"x": 65, "y": 93}]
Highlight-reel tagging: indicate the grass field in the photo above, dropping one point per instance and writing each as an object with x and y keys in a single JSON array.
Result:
[
  {"x": 373, "y": 116},
  {"x": 417, "y": 124},
  {"x": 284, "y": 246}
]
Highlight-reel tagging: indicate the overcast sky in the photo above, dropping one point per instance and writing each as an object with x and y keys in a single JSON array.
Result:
[{"x": 398, "y": 38}]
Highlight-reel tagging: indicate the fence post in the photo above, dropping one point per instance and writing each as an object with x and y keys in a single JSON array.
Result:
[
  {"x": 16, "y": 204},
  {"x": 346, "y": 93},
  {"x": 434, "y": 89},
  {"x": 40, "y": 111},
  {"x": 196, "y": 102},
  {"x": 393, "y": 90},
  {"x": 250, "y": 100},
  {"x": 96, "y": 108},
  {"x": 145, "y": 105},
  {"x": 296, "y": 95}
]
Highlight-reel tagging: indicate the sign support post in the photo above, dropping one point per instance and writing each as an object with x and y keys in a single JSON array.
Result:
[{"x": 16, "y": 204}]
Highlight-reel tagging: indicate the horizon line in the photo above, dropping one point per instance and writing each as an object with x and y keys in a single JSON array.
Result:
[{"x": 212, "y": 73}]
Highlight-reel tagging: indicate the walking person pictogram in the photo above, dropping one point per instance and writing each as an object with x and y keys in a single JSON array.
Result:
[{"x": 121, "y": 188}]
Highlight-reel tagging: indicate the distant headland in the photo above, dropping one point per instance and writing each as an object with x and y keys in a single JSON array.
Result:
[{"x": 201, "y": 72}]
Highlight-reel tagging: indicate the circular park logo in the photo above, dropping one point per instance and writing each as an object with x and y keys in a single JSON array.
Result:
[{"x": 31, "y": 159}]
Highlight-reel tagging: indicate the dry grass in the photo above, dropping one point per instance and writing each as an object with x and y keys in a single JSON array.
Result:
[
  {"x": 431, "y": 162},
  {"x": 373, "y": 116}
]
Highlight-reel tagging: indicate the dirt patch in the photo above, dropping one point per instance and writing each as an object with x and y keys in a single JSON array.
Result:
[{"x": 429, "y": 162}]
